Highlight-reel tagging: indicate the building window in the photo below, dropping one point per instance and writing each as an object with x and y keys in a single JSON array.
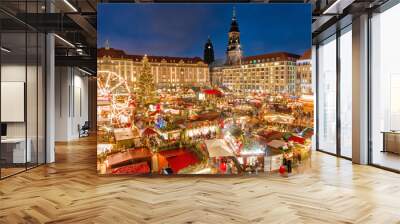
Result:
[
  {"x": 346, "y": 93},
  {"x": 385, "y": 88},
  {"x": 327, "y": 96}
]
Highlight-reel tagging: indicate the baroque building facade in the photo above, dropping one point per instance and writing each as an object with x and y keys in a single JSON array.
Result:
[
  {"x": 168, "y": 72},
  {"x": 273, "y": 73},
  {"x": 304, "y": 74}
]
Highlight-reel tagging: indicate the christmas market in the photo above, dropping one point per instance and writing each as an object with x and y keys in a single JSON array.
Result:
[{"x": 205, "y": 129}]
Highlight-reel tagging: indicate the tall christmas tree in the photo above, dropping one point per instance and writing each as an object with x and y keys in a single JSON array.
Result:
[{"x": 146, "y": 90}]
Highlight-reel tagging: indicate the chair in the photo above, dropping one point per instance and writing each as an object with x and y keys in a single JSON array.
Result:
[{"x": 84, "y": 130}]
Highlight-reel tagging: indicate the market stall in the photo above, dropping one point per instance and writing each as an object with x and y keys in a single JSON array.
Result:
[{"x": 221, "y": 157}]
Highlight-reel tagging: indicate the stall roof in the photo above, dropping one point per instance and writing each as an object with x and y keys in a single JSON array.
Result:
[
  {"x": 148, "y": 132},
  {"x": 212, "y": 92},
  {"x": 218, "y": 148},
  {"x": 130, "y": 155},
  {"x": 276, "y": 144}
]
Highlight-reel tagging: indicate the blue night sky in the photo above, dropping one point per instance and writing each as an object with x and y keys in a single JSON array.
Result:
[{"x": 182, "y": 29}]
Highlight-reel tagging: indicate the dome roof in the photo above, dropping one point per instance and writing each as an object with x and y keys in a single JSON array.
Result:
[{"x": 208, "y": 43}]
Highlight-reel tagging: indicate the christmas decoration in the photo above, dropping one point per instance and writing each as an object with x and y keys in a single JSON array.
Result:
[
  {"x": 146, "y": 91},
  {"x": 282, "y": 169},
  {"x": 181, "y": 116},
  {"x": 160, "y": 122},
  {"x": 118, "y": 99}
]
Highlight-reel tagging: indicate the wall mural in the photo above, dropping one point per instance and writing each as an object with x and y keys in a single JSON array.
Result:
[{"x": 183, "y": 90}]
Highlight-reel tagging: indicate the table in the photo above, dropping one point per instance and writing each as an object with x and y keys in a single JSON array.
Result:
[
  {"x": 13, "y": 150},
  {"x": 391, "y": 141}
]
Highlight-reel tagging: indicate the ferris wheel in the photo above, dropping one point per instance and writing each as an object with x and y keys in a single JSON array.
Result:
[{"x": 114, "y": 89}]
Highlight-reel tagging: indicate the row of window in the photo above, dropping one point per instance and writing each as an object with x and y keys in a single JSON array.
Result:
[
  {"x": 281, "y": 82},
  {"x": 258, "y": 87},
  {"x": 276, "y": 60},
  {"x": 290, "y": 68},
  {"x": 162, "y": 71}
]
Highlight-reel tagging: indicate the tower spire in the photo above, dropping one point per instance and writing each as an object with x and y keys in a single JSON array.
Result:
[
  {"x": 208, "y": 51},
  {"x": 107, "y": 45},
  {"x": 234, "y": 51}
]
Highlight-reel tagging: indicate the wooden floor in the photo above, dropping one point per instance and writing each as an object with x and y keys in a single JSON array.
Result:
[
  {"x": 5, "y": 172},
  {"x": 69, "y": 191},
  {"x": 387, "y": 159}
]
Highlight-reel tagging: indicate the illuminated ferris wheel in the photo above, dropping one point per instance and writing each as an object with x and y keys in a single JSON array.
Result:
[{"x": 114, "y": 90}]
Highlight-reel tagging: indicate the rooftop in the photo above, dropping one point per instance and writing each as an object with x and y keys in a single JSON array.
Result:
[
  {"x": 276, "y": 56},
  {"x": 306, "y": 55},
  {"x": 115, "y": 53}
]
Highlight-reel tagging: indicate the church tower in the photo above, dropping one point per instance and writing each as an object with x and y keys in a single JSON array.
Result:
[
  {"x": 234, "y": 50},
  {"x": 208, "y": 52}
]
